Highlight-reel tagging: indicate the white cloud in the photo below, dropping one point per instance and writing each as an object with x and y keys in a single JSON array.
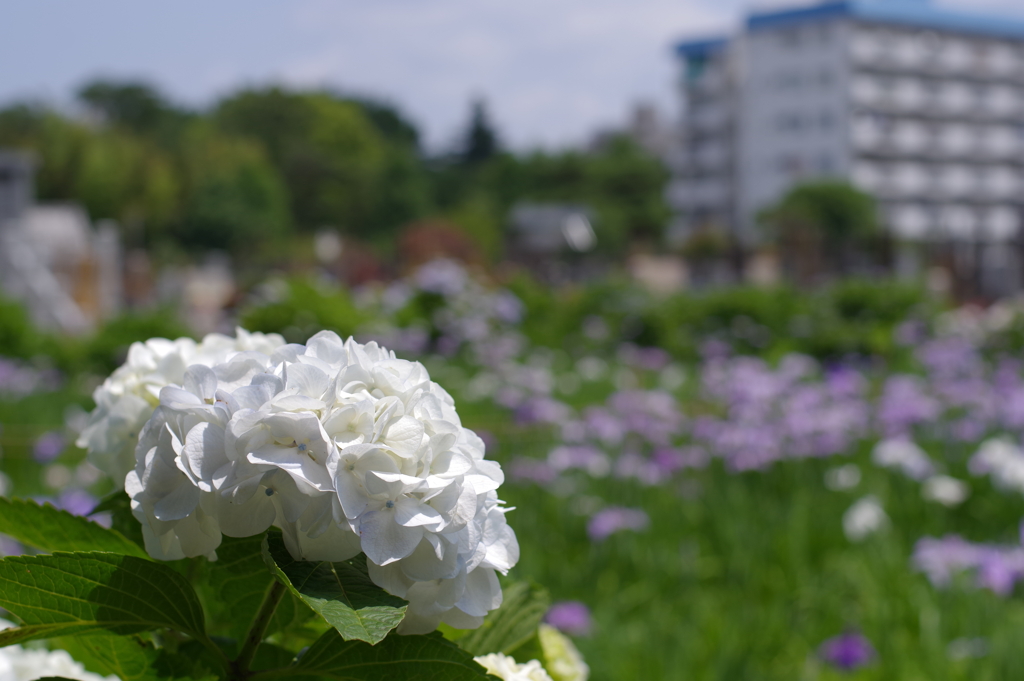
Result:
[{"x": 551, "y": 70}]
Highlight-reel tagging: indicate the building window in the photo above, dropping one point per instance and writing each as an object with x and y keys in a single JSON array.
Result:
[
  {"x": 788, "y": 81},
  {"x": 695, "y": 67},
  {"x": 981, "y": 95},
  {"x": 790, "y": 37},
  {"x": 790, "y": 121},
  {"x": 791, "y": 164},
  {"x": 931, "y": 42}
]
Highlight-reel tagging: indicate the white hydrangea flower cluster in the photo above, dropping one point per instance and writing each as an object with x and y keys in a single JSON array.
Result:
[
  {"x": 128, "y": 397},
  {"x": 507, "y": 669},
  {"x": 344, "y": 447}
]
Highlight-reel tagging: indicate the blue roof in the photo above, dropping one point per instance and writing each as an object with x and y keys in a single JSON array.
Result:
[
  {"x": 919, "y": 13},
  {"x": 700, "y": 48}
]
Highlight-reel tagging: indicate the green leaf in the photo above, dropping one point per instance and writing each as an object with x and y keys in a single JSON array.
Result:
[
  {"x": 410, "y": 658},
  {"x": 271, "y": 656},
  {"x": 18, "y": 634},
  {"x": 50, "y": 529},
  {"x": 119, "y": 506},
  {"x": 513, "y": 624},
  {"x": 341, "y": 593},
  {"x": 130, "y": 658},
  {"x": 74, "y": 593},
  {"x": 127, "y": 657},
  {"x": 234, "y": 587}
]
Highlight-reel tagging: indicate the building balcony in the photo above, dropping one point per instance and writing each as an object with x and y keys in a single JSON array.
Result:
[
  {"x": 930, "y": 220},
  {"x": 699, "y": 193},
  {"x": 951, "y": 100},
  {"x": 923, "y": 181},
  {"x": 926, "y": 52},
  {"x": 914, "y": 139}
]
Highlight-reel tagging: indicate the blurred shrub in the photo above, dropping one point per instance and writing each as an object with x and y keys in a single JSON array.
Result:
[
  {"x": 18, "y": 338},
  {"x": 107, "y": 349},
  {"x": 304, "y": 309},
  {"x": 99, "y": 353},
  {"x": 849, "y": 317}
]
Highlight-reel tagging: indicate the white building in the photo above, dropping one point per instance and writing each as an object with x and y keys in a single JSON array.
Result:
[
  {"x": 920, "y": 106},
  {"x": 67, "y": 274}
]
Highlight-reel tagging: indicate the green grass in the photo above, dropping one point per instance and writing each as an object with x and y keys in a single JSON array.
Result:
[
  {"x": 739, "y": 576},
  {"x": 743, "y": 576}
]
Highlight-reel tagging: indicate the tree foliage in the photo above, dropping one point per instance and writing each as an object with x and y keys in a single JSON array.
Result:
[
  {"x": 823, "y": 226},
  {"x": 836, "y": 210},
  {"x": 264, "y": 164}
]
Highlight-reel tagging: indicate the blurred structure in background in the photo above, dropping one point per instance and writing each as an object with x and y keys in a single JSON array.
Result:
[
  {"x": 552, "y": 240},
  {"x": 650, "y": 129},
  {"x": 920, "y": 106},
  {"x": 65, "y": 271}
]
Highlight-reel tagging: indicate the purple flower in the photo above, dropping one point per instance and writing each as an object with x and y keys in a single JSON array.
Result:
[
  {"x": 610, "y": 520},
  {"x": 584, "y": 457},
  {"x": 996, "y": 567},
  {"x": 76, "y": 501},
  {"x": 848, "y": 651},
  {"x": 9, "y": 547},
  {"x": 532, "y": 470},
  {"x": 444, "y": 277},
  {"x": 507, "y": 307},
  {"x": 571, "y": 617},
  {"x": 48, "y": 447},
  {"x": 542, "y": 410}
]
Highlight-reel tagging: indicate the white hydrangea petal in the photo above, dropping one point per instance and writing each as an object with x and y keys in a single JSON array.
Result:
[
  {"x": 450, "y": 464},
  {"x": 404, "y": 436},
  {"x": 203, "y": 453},
  {"x": 424, "y": 565},
  {"x": 460, "y": 620},
  {"x": 297, "y": 402},
  {"x": 328, "y": 347},
  {"x": 245, "y": 518},
  {"x": 179, "y": 503},
  {"x": 336, "y": 544},
  {"x": 390, "y": 578},
  {"x": 308, "y": 474},
  {"x": 411, "y": 512},
  {"x": 384, "y": 540},
  {"x": 482, "y": 593},
  {"x": 201, "y": 382},
  {"x": 306, "y": 380},
  {"x": 389, "y": 485}
]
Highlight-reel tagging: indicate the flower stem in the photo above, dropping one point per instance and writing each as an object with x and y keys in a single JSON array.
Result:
[{"x": 257, "y": 630}]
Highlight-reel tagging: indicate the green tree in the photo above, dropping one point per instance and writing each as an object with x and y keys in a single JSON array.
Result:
[
  {"x": 481, "y": 141},
  {"x": 621, "y": 183},
  {"x": 113, "y": 173},
  {"x": 135, "y": 106},
  {"x": 822, "y": 226},
  {"x": 234, "y": 198},
  {"x": 331, "y": 157}
]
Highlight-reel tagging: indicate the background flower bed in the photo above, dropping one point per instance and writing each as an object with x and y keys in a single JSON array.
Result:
[{"x": 672, "y": 462}]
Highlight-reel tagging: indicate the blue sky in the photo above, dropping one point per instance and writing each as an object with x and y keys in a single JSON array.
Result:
[{"x": 552, "y": 71}]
